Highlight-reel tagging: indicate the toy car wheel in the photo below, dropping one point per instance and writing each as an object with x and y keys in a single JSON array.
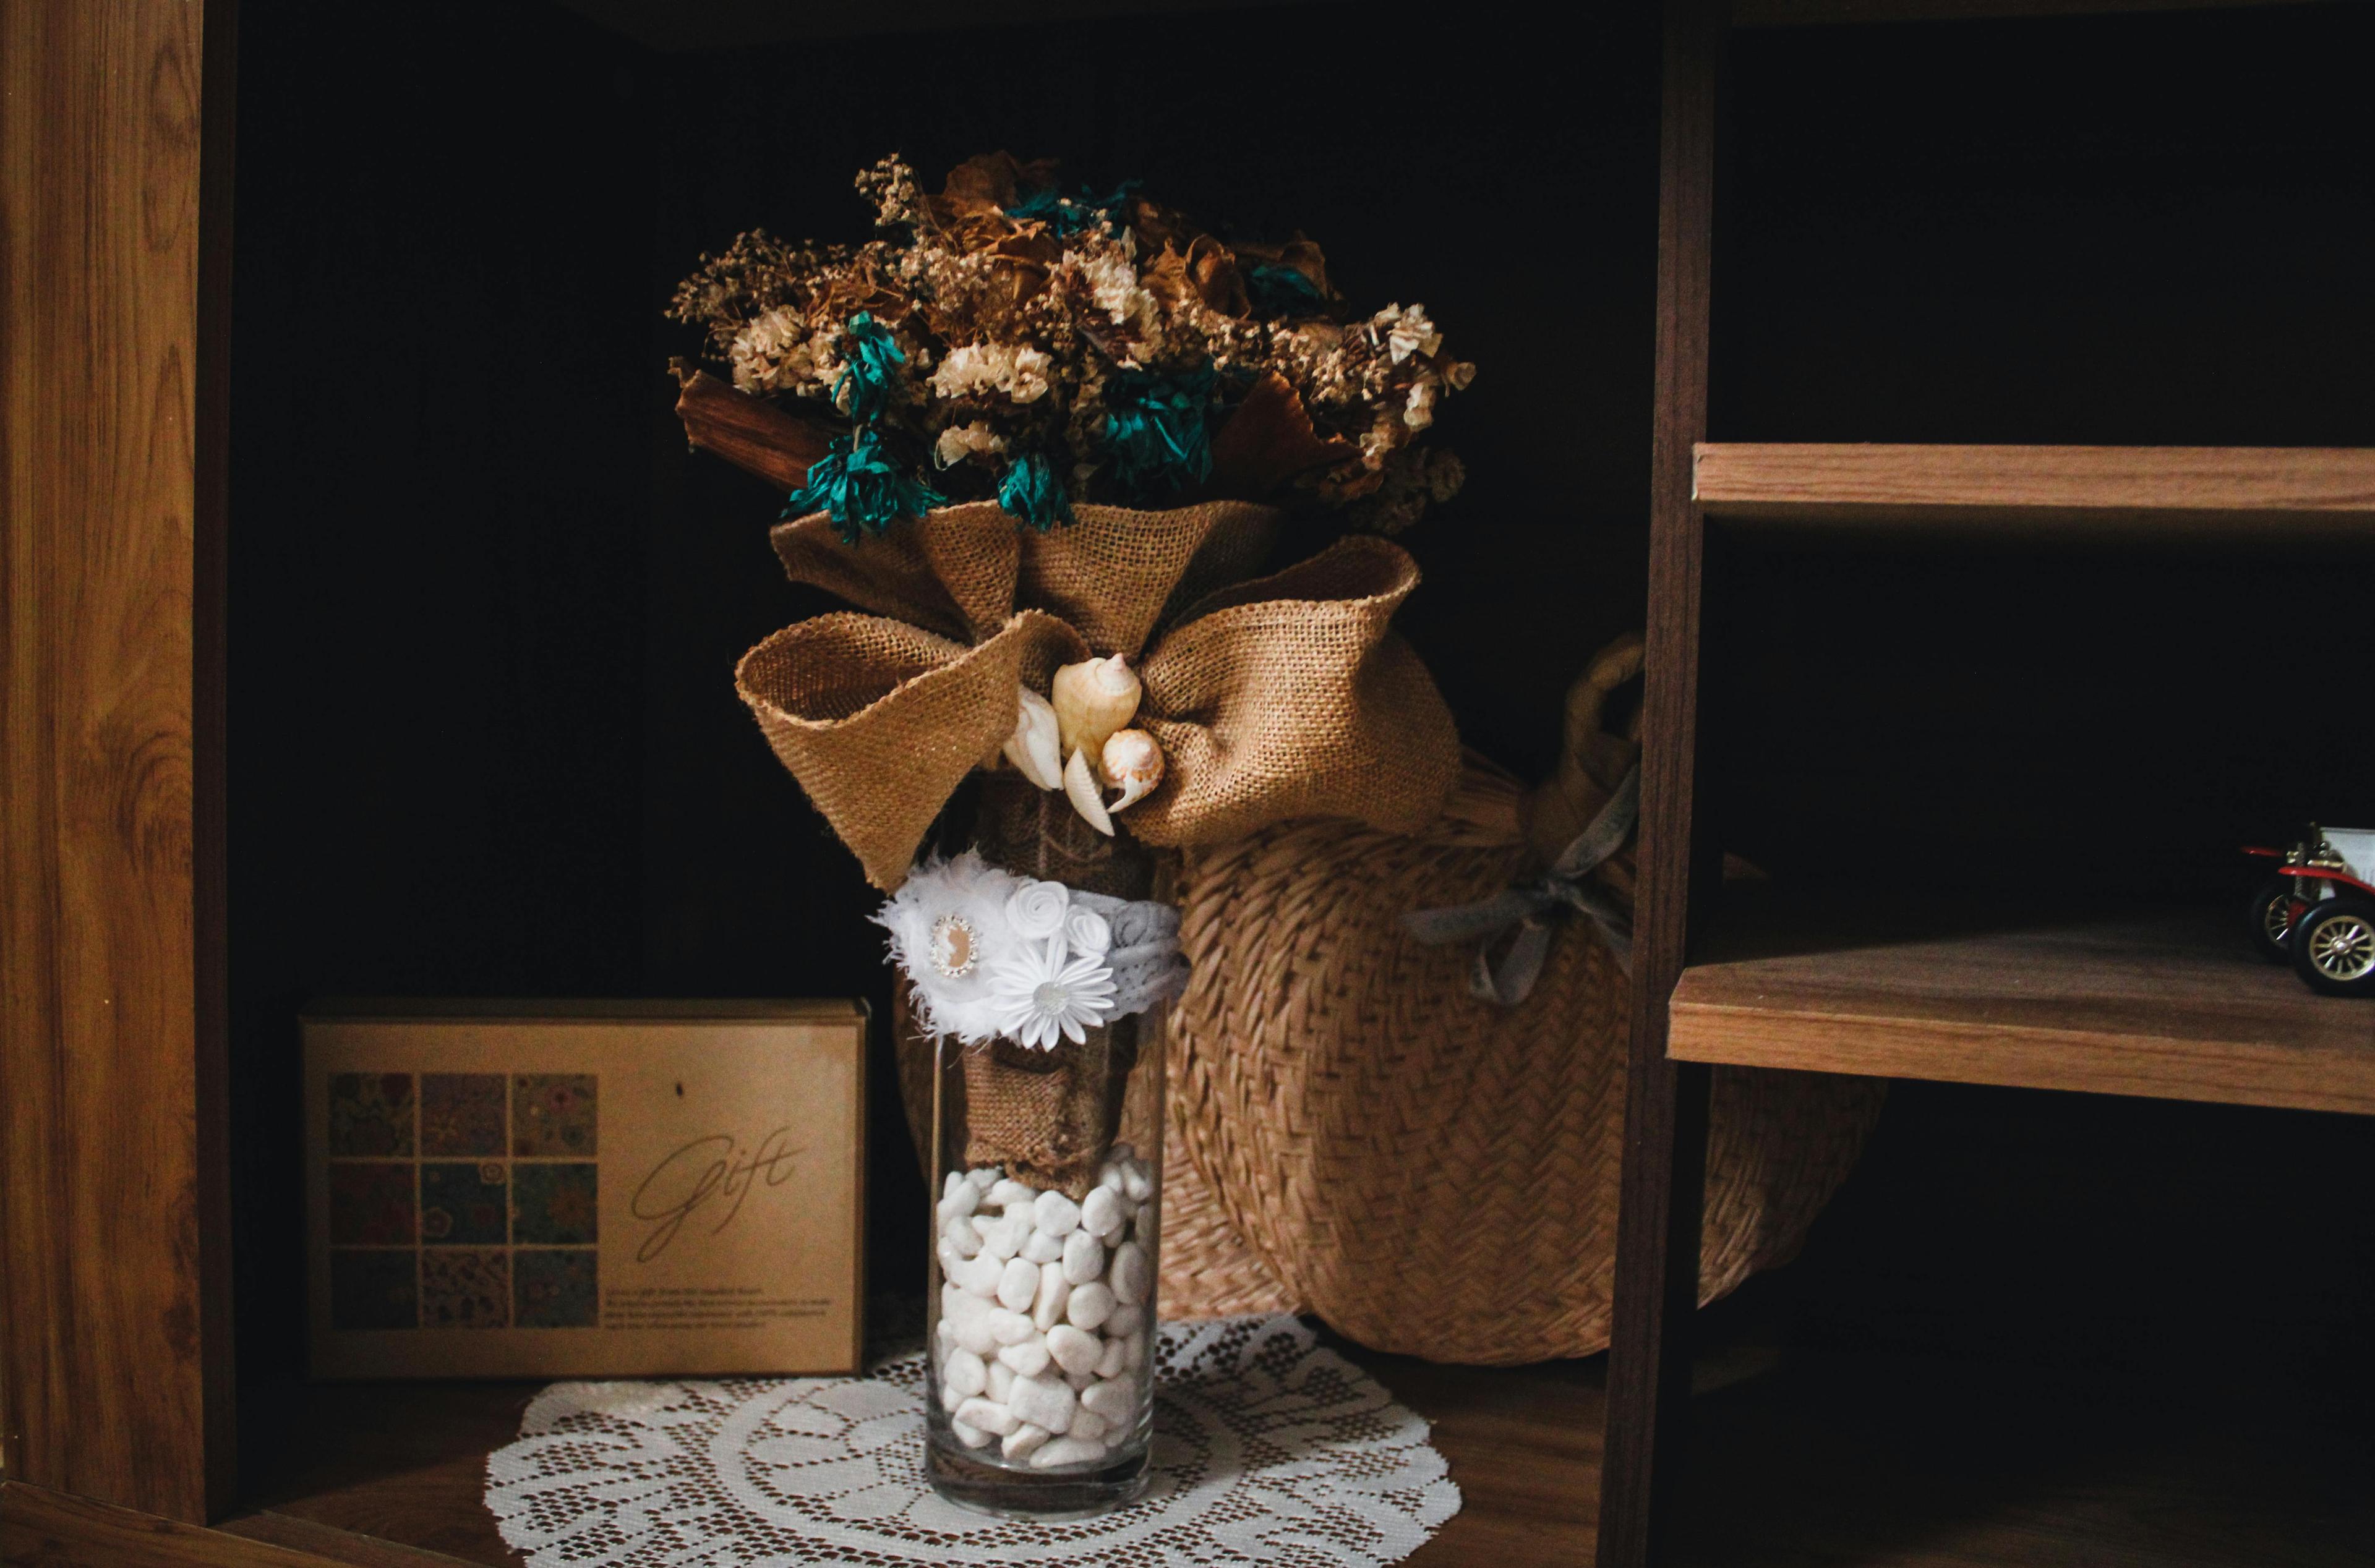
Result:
[
  {"x": 2333, "y": 947},
  {"x": 2269, "y": 918}
]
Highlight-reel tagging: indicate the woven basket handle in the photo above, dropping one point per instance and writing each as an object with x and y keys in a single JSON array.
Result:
[{"x": 1593, "y": 760}]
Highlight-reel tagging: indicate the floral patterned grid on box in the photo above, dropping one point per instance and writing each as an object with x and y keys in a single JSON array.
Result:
[
  {"x": 554, "y": 1205},
  {"x": 552, "y": 1114},
  {"x": 371, "y": 1114},
  {"x": 462, "y": 1203},
  {"x": 373, "y": 1289},
  {"x": 556, "y": 1290},
  {"x": 370, "y": 1204},
  {"x": 461, "y": 1113},
  {"x": 465, "y": 1288}
]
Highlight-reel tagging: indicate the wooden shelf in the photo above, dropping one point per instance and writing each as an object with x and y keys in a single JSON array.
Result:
[
  {"x": 2172, "y": 1006},
  {"x": 2204, "y": 488}
]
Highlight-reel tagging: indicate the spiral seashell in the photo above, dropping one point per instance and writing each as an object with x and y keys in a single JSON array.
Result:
[
  {"x": 1092, "y": 699},
  {"x": 1132, "y": 763},
  {"x": 1033, "y": 748}
]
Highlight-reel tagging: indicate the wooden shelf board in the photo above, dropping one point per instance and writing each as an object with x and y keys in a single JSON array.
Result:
[
  {"x": 2211, "y": 488},
  {"x": 2170, "y": 1006}
]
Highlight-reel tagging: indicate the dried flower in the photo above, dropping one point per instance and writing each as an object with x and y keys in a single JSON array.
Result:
[{"x": 1044, "y": 344}]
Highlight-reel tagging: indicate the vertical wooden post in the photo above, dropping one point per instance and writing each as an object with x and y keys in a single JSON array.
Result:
[
  {"x": 115, "y": 1378},
  {"x": 1666, "y": 1103}
]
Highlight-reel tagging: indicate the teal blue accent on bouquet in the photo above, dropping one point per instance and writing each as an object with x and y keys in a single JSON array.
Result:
[
  {"x": 873, "y": 366},
  {"x": 1031, "y": 493},
  {"x": 1066, "y": 216},
  {"x": 1157, "y": 429},
  {"x": 1278, "y": 290},
  {"x": 861, "y": 487}
]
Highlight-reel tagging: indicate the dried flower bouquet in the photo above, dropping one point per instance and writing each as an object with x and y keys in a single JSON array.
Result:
[
  {"x": 1036, "y": 436},
  {"x": 1005, "y": 340}
]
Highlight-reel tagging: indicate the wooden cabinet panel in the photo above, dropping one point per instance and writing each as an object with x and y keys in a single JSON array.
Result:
[{"x": 113, "y": 1357}]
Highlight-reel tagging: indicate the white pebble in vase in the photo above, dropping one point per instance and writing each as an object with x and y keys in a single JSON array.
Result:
[
  {"x": 1067, "y": 1451},
  {"x": 1029, "y": 1358},
  {"x": 1089, "y": 1304},
  {"x": 1041, "y": 1247},
  {"x": 1110, "y": 1398},
  {"x": 1056, "y": 1215},
  {"x": 1018, "y": 1286},
  {"x": 1022, "y": 1442},
  {"x": 1110, "y": 1359},
  {"x": 1073, "y": 1349},
  {"x": 1047, "y": 1307},
  {"x": 964, "y": 1373},
  {"x": 1130, "y": 1276},
  {"x": 1043, "y": 1402},
  {"x": 1001, "y": 1376},
  {"x": 1010, "y": 1328},
  {"x": 988, "y": 1416},
  {"x": 971, "y": 1436},
  {"x": 1084, "y": 1257},
  {"x": 1101, "y": 1214}
]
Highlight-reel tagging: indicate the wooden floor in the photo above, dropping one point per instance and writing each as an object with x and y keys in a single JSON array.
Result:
[{"x": 1799, "y": 1459}]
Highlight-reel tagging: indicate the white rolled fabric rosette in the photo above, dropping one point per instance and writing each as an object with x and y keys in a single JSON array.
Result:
[{"x": 992, "y": 955}]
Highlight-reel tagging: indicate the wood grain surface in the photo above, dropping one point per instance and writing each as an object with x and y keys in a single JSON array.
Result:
[
  {"x": 1795, "y": 1457},
  {"x": 105, "y": 1327},
  {"x": 2172, "y": 1006},
  {"x": 1663, "y": 1174},
  {"x": 40, "y": 1528},
  {"x": 2201, "y": 487}
]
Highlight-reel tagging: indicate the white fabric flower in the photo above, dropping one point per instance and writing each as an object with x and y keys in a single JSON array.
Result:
[
  {"x": 950, "y": 979},
  {"x": 1086, "y": 932},
  {"x": 1037, "y": 911},
  {"x": 1039, "y": 995}
]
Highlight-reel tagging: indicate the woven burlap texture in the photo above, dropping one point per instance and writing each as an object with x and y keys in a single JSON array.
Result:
[
  {"x": 1284, "y": 696},
  {"x": 1429, "y": 1172}
]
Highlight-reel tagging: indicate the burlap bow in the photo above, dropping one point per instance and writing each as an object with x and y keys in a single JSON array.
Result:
[{"x": 1284, "y": 696}]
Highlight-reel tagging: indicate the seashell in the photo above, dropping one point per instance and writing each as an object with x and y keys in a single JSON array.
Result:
[
  {"x": 1132, "y": 763},
  {"x": 1081, "y": 789},
  {"x": 1033, "y": 747},
  {"x": 1092, "y": 699}
]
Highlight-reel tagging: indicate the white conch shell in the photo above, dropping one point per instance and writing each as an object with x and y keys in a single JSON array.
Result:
[
  {"x": 1094, "y": 698},
  {"x": 1132, "y": 763},
  {"x": 1081, "y": 789},
  {"x": 1033, "y": 747}
]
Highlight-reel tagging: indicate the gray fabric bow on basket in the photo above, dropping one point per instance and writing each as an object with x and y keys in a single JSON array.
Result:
[{"x": 1536, "y": 907}]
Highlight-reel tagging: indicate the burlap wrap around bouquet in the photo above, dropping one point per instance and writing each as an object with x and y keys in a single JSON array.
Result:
[
  {"x": 1274, "y": 697},
  {"x": 1279, "y": 697}
]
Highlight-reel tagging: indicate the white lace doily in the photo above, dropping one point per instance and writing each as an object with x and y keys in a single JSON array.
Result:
[{"x": 1269, "y": 1449}]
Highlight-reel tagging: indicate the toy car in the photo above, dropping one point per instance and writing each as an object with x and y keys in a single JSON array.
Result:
[{"x": 2318, "y": 912}]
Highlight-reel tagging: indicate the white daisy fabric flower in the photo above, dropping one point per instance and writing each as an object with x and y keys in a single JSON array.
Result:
[
  {"x": 1039, "y": 994},
  {"x": 948, "y": 928},
  {"x": 1036, "y": 910}
]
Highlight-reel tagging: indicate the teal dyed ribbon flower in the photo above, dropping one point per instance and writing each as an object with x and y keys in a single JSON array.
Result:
[
  {"x": 1282, "y": 290},
  {"x": 861, "y": 487},
  {"x": 1157, "y": 427},
  {"x": 872, "y": 368},
  {"x": 1066, "y": 216},
  {"x": 1032, "y": 492}
]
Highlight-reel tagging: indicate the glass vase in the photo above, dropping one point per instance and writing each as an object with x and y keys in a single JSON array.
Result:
[{"x": 1046, "y": 1243}]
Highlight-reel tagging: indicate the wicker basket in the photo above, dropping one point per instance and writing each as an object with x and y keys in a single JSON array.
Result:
[{"x": 1429, "y": 1172}]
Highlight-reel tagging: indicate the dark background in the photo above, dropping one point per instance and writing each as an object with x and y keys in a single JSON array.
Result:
[{"x": 485, "y": 606}]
